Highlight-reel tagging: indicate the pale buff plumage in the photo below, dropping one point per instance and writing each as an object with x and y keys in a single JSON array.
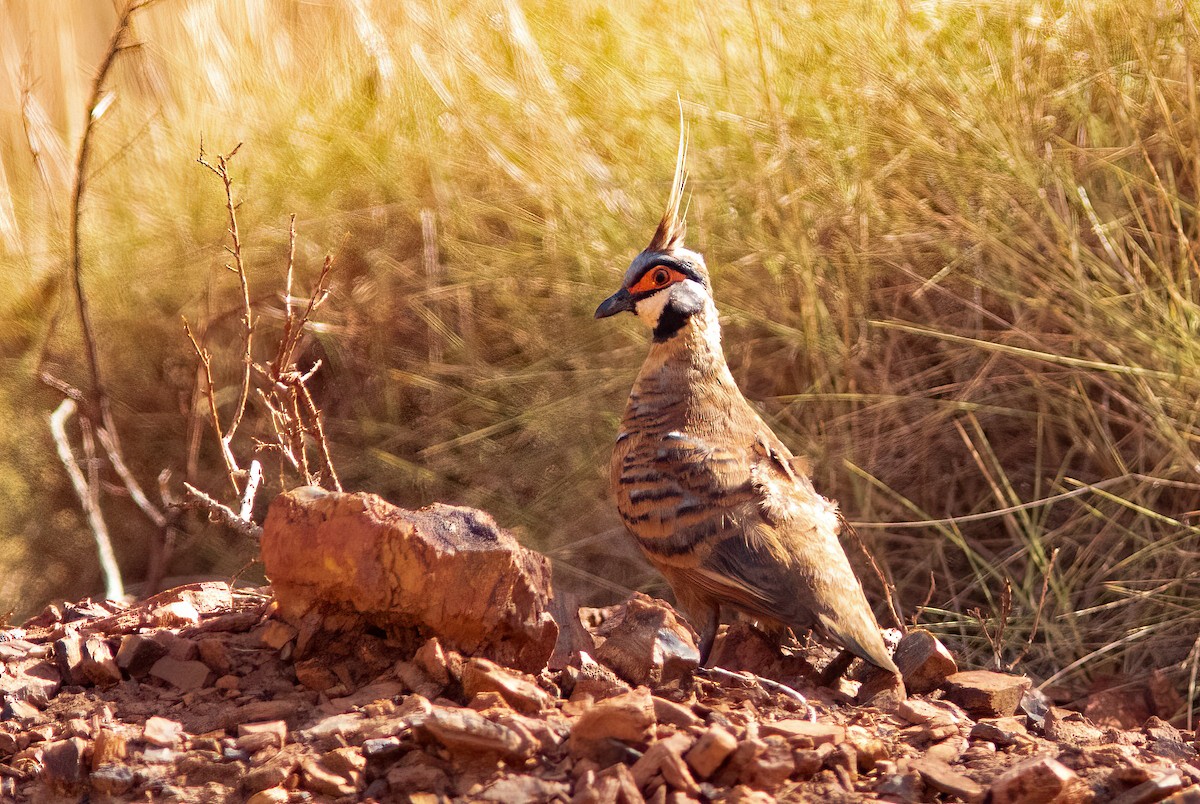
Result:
[{"x": 714, "y": 499}]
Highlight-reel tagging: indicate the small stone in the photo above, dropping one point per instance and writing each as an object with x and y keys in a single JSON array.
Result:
[
  {"x": 32, "y": 681},
  {"x": 254, "y": 742},
  {"x": 179, "y": 614},
  {"x": 1002, "y": 731},
  {"x": 19, "y": 711},
  {"x": 215, "y": 654},
  {"x": 68, "y": 653},
  {"x": 276, "y": 728},
  {"x": 178, "y": 647},
  {"x": 674, "y": 714},
  {"x": 663, "y": 757},
  {"x": 650, "y": 644},
  {"x": 14, "y": 649},
  {"x": 162, "y": 732},
  {"x": 803, "y": 733},
  {"x": 941, "y": 777},
  {"x": 63, "y": 763},
  {"x": 984, "y": 693},
  {"x": 524, "y": 788},
  {"x": 313, "y": 673},
  {"x": 381, "y": 749},
  {"x": 465, "y": 731},
  {"x": 112, "y": 780},
  {"x": 109, "y": 748},
  {"x": 628, "y": 718},
  {"x": 1072, "y": 728},
  {"x": 431, "y": 658},
  {"x": 484, "y": 675},
  {"x": 1190, "y": 795},
  {"x": 138, "y": 654},
  {"x": 96, "y": 665},
  {"x": 272, "y": 795},
  {"x": 189, "y": 675},
  {"x": 924, "y": 661},
  {"x": 770, "y": 764},
  {"x": 336, "y": 773},
  {"x": 264, "y": 778},
  {"x": 1153, "y": 790},
  {"x": 228, "y": 683},
  {"x": 1035, "y": 781},
  {"x": 276, "y": 633}
]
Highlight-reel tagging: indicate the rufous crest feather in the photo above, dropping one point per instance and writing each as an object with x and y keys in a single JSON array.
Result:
[{"x": 673, "y": 227}]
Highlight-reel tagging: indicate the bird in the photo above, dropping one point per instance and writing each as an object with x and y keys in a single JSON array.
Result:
[{"x": 714, "y": 499}]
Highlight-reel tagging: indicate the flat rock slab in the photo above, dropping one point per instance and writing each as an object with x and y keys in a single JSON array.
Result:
[
  {"x": 442, "y": 571},
  {"x": 984, "y": 693}
]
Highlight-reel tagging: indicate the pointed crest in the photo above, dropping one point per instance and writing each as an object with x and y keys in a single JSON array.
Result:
[{"x": 672, "y": 227}]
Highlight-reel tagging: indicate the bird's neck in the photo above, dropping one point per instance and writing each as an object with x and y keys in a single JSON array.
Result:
[{"x": 692, "y": 355}]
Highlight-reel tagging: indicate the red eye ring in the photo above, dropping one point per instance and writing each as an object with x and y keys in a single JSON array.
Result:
[{"x": 661, "y": 277}]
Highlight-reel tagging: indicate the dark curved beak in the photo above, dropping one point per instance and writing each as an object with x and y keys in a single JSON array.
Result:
[{"x": 619, "y": 302}]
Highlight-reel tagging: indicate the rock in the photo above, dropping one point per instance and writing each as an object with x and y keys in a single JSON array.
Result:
[
  {"x": 181, "y": 675},
  {"x": 1153, "y": 790},
  {"x": 769, "y": 765},
  {"x": 177, "y": 614},
  {"x": 924, "y": 662},
  {"x": 96, "y": 664},
  {"x": 712, "y": 749},
  {"x": 1036, "y": 781},
  {"x": 63, "y": 763},
  {"x": 336, "y": 773},
  {"x": 467, "y": 732},
  {"x": 272, "y": 795},
  {"x": 32, "y": 681},
  {"x": 68, "y": 653},
  {"x": 1190, "y": 795},
  {"x": 277, "y": 729},
  {"x": 138, "y": 654},
  {"x": 984, "y": 693},
  {"x": 431, "y": 658},
  {"x": 524, "y": 788},
  {"x": 614, "y": 785},
  {"x": 215, "y": 654},
  {"x": 673, "y": 713},
  {"x": 649, "y": 644},
  {"x": 483, "y": 675},
  {"x": 19, "y": 711},
  {"x": 276, "y": 634},
  {"x": 442, "y": 571},
  {"x": 112, "y": 780},
  {"x": 381, "y": 749},
  {"x": 664, "y": 758},
  {"x": 805, "y": 734},
  {"x": 1002, "y": 731},
  {"x": 417, "y": 771},
  {"x": 627, "y": 718},
  {"x": 1072, "y": 728},
  {"x": 109, "y": 748},
  {"x": 162, "y": 732},
  {"x": 944, "y": 779}
]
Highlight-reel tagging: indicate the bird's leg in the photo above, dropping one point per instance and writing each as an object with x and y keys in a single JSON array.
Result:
[
  {"x": 835, "y": 669},
  {"x": 708, "y": 632}
]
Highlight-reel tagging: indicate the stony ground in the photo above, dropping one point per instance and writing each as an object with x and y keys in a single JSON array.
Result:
[{"x": 204, "y": 693}]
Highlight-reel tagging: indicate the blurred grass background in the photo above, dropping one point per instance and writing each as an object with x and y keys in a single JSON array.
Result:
[{"x": 952, "y": 243}]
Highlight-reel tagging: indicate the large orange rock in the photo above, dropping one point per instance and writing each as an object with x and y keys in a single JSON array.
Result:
[{"x": 441, "y": 571}]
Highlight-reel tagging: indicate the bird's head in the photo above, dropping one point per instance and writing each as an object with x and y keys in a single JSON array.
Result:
[{"x": 666, "y": 284}]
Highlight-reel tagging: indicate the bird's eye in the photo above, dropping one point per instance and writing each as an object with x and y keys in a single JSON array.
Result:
[{"x": 661, "y": 277}]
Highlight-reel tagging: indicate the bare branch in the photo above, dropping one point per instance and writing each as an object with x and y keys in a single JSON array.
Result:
[
  {"x": 114, "y": 589},
  {"x": 135, "y": 490},
  {"x": 206, "y": 363},
  {"x": 222, "y": 513},
  {"x": 256, "y": 476}
]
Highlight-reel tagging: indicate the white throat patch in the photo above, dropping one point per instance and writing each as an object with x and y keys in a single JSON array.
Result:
[{"x": 650, "y": 308}]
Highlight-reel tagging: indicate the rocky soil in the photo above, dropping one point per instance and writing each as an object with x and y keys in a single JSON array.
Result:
[{"x": 421, "y": 656}]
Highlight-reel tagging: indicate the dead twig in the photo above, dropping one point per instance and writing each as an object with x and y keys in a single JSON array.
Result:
[
  {"x": 221, "y": 169},
  {"x": 1037, "y": 614},
  {"x": 746, "y": 678},
  {"x": 211, "y": 392},
  {"x": 221, "y": 513},
  {"x": 114, "y": 588},
  {"x": 889, "y": 589}
]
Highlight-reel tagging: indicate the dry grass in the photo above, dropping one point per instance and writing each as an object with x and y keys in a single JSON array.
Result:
[{"x": 953, "y": 243}]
